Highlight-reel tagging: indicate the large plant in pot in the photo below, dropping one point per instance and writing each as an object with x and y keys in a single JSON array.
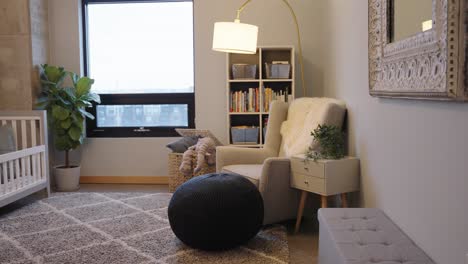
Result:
[{"x": 66, "y": 109}]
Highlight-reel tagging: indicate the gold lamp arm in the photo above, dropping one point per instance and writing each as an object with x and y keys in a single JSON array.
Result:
[{"x": 301, "y": 61}]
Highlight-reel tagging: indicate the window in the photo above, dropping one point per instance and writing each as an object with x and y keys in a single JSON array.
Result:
[{"x": 140, "y": 54}]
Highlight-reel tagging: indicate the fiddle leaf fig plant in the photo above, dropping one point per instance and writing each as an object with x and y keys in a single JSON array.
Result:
[
  {"x": 331, "y": 141},
  {"x": 66, "y": 106}
]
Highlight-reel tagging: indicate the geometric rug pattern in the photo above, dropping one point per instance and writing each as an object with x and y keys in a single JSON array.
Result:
[{"x": 114, "y": 228}]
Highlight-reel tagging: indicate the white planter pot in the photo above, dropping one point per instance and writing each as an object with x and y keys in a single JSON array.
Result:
[{"x": 67, "y": 179}]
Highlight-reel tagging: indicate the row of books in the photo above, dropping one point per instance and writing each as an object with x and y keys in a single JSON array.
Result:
[
  {"x": 249, "y": 100},
  {"x": 245, "y": 101},
  {"x": 271, "y": 95}
]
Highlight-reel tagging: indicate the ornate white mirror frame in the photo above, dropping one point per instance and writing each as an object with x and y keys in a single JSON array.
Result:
[{"x": 430, "y": 65}]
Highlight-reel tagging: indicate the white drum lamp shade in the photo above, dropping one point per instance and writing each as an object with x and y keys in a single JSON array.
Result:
[{"x": 235, "y": 37}]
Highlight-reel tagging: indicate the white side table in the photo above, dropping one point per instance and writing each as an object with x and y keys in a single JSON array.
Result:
[{"x": 325, "y": 178}]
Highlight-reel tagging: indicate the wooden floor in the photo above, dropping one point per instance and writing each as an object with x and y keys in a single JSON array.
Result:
[{"x": 303, "y": 246}]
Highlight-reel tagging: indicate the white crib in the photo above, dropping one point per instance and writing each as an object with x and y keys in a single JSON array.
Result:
[{"x": 26, "y": 170}]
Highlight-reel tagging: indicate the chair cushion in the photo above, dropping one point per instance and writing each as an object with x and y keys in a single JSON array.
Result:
[{"x": 250, "y": 171}]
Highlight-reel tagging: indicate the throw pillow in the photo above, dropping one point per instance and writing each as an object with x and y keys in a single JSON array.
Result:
[
  {"x": 7, "y": 139},
  {"x": 181, "y": 145}
]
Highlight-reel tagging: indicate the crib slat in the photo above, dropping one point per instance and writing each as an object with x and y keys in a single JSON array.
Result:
[
  {"x": 28, "y": 170},
  {"x": 41, "y": 133},
  {"x": 14, "y": 183},
  {"x": 4, "y": 122},
  {"x": 33, "y": 133},
  {"x": 24, "y": 139},
  {"x": 15, "y": 131},
  {"x": 23, "y": 171},
  {"x": 10, "y": 177},
  {"x": 34, "y": 168},
  {"x": 4, "y": 178},
  {"x": 18, "y": 175},
  {"x": 37, "y": 176},
  {"x": 43, "y": 166}
]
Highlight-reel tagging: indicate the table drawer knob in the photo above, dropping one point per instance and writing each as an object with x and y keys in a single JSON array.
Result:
[{"x": 306, "y": 182}]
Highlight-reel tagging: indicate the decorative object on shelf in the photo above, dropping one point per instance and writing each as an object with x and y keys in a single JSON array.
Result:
[
  {"x": 329, "y": 143},
  {"x": 249, "y": 99},
  {"x": 430, "y": 64},
  {"x": 237, "y": 37},
  {"x": 66, "y": 106},
  {"x": 216, "y": 211},
  {"x": 244, "y": 71},
  {"x": 277, "y": 70},
  {"x": 244, "y": 135}
]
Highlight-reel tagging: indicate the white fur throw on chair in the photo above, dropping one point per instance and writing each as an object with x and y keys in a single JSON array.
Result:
[{"x": 304, "y": 115}]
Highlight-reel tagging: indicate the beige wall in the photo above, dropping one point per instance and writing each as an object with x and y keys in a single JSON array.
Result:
[
  {"x": 148, "y": 156},
  {"x": 413, "y": 154}
]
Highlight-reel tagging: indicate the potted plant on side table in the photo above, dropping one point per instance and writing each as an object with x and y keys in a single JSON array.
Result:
[
  {"x": 66, "y": 110},
  {"x": 331, "y": 143}
]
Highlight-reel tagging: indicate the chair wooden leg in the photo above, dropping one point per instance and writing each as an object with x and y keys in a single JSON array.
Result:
[
  {"x": 324, "y": 201},
  {"x": 300, "y": 210},
  {"x": 344, "y": 200}
]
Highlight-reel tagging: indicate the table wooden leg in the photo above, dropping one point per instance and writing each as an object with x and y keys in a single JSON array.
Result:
[
  {"x": 300, "y": 210},
  {"x": 324, "y": 201},
  {"x": 344, "y": 200}
]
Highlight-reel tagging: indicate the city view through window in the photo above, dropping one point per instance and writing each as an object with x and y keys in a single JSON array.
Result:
[{"x": 141, "y": 48}]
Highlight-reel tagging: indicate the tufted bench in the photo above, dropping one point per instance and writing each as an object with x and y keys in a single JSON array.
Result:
[{"x": 364, "y": 236}]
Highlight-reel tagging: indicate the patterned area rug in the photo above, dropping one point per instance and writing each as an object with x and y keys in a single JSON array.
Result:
[{"x": 114, "y": 228}]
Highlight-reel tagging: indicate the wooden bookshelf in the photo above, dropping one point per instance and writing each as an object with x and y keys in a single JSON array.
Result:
[{"x": 283, "y": 89}]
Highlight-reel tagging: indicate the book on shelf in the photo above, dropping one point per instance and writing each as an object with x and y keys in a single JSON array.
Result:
[
  {"x": 244, "y": 101},
  {"x": 270, "y": 95}
]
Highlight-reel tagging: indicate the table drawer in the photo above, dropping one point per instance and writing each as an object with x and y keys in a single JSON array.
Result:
[
  {"x": 308, "y": 183},
  {"x": 309, "y": 167}
]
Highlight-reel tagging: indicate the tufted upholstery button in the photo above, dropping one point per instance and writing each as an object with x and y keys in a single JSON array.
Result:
[{"x": 386, "y": 243}]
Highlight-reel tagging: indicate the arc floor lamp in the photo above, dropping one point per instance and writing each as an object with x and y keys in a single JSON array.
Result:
[{"x": 237, "y": 37}]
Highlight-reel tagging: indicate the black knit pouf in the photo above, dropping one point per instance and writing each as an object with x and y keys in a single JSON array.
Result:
[{"x": 216, "y": 211}]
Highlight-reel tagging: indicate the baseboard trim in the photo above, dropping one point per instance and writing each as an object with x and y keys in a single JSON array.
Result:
[{"x": 158, "y": 180}]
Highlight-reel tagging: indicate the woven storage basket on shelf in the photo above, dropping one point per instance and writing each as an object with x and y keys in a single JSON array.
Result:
[{"x": 176, "y": 178}]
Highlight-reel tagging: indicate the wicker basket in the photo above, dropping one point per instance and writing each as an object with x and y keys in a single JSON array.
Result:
[{"x": 176, "y": 178}]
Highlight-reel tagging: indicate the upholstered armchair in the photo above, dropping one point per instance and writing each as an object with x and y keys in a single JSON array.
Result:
[{"x": 288, "y": 134}]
